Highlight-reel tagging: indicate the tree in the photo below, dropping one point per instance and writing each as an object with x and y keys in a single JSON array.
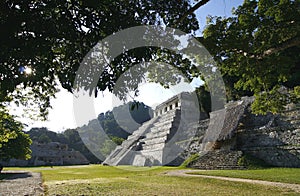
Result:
[
  {"x": 258, "y": 50},
  {"x": 50, "y": 39},
  {"x": 43, "y": 135},
  {"x": 124, "y": 119},
  {"x": 44, "y": 139},
  {"x": 14, "y": 143}
]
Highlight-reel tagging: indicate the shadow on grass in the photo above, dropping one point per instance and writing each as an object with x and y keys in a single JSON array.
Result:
[{"x": 9, "y": 175}]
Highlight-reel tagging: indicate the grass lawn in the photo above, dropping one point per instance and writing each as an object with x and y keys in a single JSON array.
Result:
[
  {"x": 288, "y": 175},
  {"x": 106, "y": 180}
]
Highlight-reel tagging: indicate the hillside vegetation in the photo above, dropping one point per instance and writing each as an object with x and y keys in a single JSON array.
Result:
[{"x": 112, "y": 134}]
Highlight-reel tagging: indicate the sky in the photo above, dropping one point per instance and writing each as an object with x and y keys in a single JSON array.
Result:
[
  {"x": 216, "y": 8},
  {"x": 61, "y": 116}
]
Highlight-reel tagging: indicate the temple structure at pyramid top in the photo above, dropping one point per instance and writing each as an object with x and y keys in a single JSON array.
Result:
[{"x": 170, "y": 104}]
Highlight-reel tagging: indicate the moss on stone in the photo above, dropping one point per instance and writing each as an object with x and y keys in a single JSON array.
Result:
[{"x": 190, "y": 160}]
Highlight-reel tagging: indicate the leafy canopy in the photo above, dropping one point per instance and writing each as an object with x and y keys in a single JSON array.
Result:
[
  {"x": 258, "y": 51},
  {"x": 14, "y": 143},
  {"x": 51, "y": 37},
  {"x": 42, "y": 43}
]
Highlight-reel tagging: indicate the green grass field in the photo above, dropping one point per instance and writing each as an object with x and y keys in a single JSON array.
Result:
[{"x": 106, "y": 180}]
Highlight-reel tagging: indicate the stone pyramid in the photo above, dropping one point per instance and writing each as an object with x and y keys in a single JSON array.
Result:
[{"x": 155, "y": 142}]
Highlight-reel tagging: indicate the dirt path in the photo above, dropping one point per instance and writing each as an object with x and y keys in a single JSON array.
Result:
[
  {"x": 294, "y": 187},
  {"x": 21, "y": 183}
]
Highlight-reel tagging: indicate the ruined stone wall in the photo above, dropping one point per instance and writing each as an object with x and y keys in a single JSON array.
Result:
[
  {"x": 274, "y": 139},
  {"x": 218, "y": 159},
  {"x": 53, "y": 153}
]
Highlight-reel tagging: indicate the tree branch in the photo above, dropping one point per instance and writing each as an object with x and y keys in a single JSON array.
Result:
[
  {"x": 288, "y": 44},
  {"x": 190, "y": 11}
]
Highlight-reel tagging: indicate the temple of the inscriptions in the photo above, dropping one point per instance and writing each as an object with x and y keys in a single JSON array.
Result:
[{"x": 178, "y": 131}]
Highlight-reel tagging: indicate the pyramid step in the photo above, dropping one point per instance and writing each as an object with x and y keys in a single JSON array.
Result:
[
  {"x": 154, "y": 146},
  {"x": 141, "y": 130},
  {"x": 155, "y": 140},
  {"x": 160, "y": 129},
  {"x": 169, "y": 115},
  {"x": 152, "y": 135},
  {"x": 124, "y": 150},
  {"x": 163, "y": 122},
  {"x": 132, "y": 137}
]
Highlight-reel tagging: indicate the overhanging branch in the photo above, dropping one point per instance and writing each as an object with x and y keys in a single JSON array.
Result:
[
  {"x": 288, "y": 44},
  {"x": 190, "y": 11},
  {"x": 285, "y": 45}
]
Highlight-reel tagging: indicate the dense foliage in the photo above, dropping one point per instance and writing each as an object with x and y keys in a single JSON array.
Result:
[
  {"x": 258, "y": 52},
  {"x": 42, "y": 42},
  {"x": 257, "y": 49},
  {"x": 52, "y": 37},
  {"x": 14, "y": 143}
]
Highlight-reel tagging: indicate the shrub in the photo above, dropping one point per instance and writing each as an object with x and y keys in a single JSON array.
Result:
[
  {"x": 251, "y": 162},
  {"x": 190, "y": 160}
]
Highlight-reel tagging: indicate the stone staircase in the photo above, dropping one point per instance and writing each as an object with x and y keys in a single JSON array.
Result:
[
  {"x": 155, "y": 142},
  {"x": 161, "y": 131},
  {"x": 218, "y": 159},
  {"x": 123, "y": 153},
  {"x": 148, "y": 146},
  {"x": 161, "y": 140}
]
